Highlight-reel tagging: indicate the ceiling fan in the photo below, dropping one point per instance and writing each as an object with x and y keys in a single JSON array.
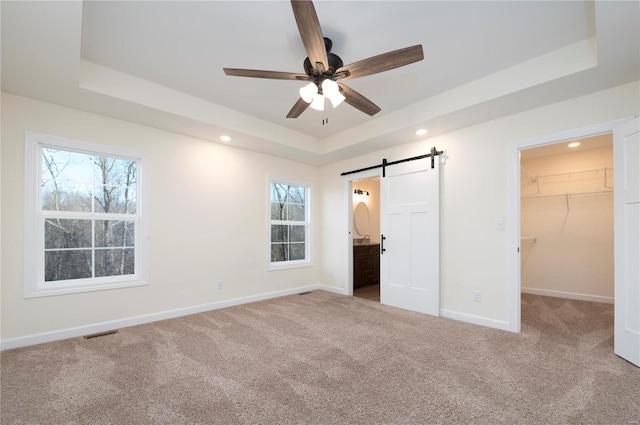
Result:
[{"x": 324, "y": 70}]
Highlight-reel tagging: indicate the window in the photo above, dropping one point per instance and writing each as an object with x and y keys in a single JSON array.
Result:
[
  {"x": 84, "y": 221},
  {"x": 288, "y": 225}
]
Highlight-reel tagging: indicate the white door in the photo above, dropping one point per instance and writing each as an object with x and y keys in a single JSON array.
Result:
[
  {"x": 626, "y": 207},
  {"x": 410, "y": 236}
]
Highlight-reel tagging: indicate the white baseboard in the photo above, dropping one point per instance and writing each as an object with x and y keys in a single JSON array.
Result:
[
  {"x": 333, "y": 289},
  {"x": 569, "y": 295},
  {"x": 40, "y": 338},
  {"x": 476, "y": 320}
]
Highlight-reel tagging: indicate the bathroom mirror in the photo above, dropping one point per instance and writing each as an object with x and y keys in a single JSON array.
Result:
[{"x": 361, "y": 219}]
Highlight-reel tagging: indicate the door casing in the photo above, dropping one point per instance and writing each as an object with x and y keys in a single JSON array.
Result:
[
  {"x": 513, "y": 228},
  {"x": 348, "y": 204}
]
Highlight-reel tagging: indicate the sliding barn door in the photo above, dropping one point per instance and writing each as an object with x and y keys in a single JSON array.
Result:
[
  {"x": 410, "y": 236},
  {"x": 626, "y": 205}
]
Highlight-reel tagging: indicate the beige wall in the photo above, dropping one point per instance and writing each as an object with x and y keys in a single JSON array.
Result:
[
  {"x": 208, "y": 219},
  {"x": 473, "y": 195},
  {"x": 208, "y": 222},
  {"x": 573, "y": 253}
]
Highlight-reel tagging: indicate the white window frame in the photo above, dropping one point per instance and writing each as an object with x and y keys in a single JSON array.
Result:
[
  {"x": 291, "y": 264},
  {"x": 34, "y": 252}
]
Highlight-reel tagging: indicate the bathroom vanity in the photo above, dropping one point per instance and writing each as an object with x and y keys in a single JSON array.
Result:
[{"x": 366, "y": 264}]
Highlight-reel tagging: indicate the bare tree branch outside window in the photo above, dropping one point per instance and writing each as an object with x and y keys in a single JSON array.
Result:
[
  {"x": 86, "y": 200},
  {"x": 288, "y": 222}
]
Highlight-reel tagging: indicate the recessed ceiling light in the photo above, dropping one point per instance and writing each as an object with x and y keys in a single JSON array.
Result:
[
  {"x": 225, "y": 138},
  {"x": 574, "y": 144},
  {"x": 421, "y": 132}
]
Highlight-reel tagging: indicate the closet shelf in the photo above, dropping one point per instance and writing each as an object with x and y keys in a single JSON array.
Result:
[
  {"x": 535, "y": 180},
  {"x": 571, "y": 173}
]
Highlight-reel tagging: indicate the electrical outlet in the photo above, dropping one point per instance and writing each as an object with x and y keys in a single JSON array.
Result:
[
  {"x": 219, "y": 285},
  {"x": 500, "y": 224},
  {"x": 477, "y": 296}
]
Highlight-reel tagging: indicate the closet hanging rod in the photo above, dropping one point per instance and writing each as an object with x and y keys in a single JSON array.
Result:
[{"x": 564, "y": 195}]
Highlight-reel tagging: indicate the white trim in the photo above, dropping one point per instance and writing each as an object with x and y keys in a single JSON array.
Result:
[
  {"x": 292, "y": 264},
  {"x": 475, "y": 320},
  {"x": 568, "y": 295},
  {"x": 334, "y": 289},
  {"x": 626, "y": 330},
  {"x": 348, "y": 223},
  {"x": 513, "y": 179},
  {"x": 34, "y": 284},
  {"x": 40, "y": 338}
]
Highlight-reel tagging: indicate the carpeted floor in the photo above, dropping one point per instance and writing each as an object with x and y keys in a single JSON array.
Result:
[{"x": 323, "y": 358}]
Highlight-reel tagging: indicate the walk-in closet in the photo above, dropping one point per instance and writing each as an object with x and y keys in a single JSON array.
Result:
[{"x": 567, "y": 219}]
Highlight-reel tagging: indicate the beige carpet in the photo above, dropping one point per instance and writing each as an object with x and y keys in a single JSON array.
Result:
[{"x": 323, "y": 358}]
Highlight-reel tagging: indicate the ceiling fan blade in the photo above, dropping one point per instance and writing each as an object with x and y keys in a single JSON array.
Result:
[
  {"x": 383, "y": 62},
  {"x": 310, "y": 32},
  {"x": 298, "y": 108},
  {"x": 358, "y": 101},
  {"x": 274, "y": 75}
]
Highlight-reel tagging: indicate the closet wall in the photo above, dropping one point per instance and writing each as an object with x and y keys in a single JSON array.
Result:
[{"x": 567, "y": 225}]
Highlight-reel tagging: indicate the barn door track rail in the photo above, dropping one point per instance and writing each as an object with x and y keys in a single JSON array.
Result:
[{"x": 434, "y": 152}]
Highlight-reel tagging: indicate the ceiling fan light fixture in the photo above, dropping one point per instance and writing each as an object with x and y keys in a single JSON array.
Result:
[
  {"x": 308, "y": 92},
  {"x": 336, "y": 99},
  {"x": 331, "y": 91},
  {"x": 318, "y": 102},
  {"x": 329, "y": 87}
]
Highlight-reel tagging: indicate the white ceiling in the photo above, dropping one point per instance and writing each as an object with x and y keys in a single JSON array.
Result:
[
  {"x": 562, "y": 148},
  {"x": 160, "y": 63}
]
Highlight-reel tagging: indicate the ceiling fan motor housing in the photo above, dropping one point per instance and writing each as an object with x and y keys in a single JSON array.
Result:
[
  {"x": 333, "y": 60},
  {"x": 334, "y": 63}
]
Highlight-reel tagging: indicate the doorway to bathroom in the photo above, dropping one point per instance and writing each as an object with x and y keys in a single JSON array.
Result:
[
  {"x": 366, "y": 238},
  {"x": 409, "y": 249}
]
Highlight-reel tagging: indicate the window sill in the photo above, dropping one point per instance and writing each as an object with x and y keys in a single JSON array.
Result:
[
  {"x": 288, "y": 265},
  {"x": 46, "y": 290}
]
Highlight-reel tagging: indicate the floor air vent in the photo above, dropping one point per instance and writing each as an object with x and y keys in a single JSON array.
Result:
[
  {"x": 96, "y": 335},
  {"x": 304, "y": 293}
]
